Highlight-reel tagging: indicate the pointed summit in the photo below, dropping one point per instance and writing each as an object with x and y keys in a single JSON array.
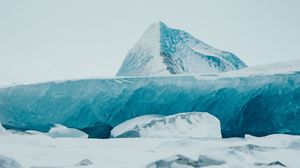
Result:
[
  {"x": 159, "y": 23},
  {"x": 164, "y": 51}
]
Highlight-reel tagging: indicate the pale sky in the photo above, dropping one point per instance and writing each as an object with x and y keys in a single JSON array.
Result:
[{"x": 65, "y": 39}]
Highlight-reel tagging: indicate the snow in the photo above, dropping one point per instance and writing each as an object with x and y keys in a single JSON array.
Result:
[
  {"x": 257, "y": 152},
  {"x": 2, "y": 129},
  {"x": 60, "y": 131},
  {"x": 5, "y": 83},
  {"x": 6, "y": 162},
  {"x": 268, "y": 69},
  {"x": 165, "y": 51},
  {"x": 181, "y": 125},
  {"x": 144, "y": 57},
  {"x": 130, "y": 124},
  {"x": 288, "y": 67}
]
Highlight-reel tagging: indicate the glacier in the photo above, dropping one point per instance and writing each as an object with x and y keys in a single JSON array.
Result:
[
  {"x": 165, "y": 51},
  {"x": 247, "y": 101},
  {"x": 181, "y": 125}
]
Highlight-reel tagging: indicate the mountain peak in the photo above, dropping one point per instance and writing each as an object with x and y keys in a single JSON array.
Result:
[{"x": 164, "y": 51}]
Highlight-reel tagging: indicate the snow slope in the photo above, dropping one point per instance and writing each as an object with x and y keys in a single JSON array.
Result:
[
  {"x": 273, "y": 151},
  {"x": 182, "y": 125},
  {"x": 163, "y": 51}
]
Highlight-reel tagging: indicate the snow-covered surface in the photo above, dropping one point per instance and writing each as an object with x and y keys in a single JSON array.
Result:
[
  {"x": 146, "y": 55},
  {"x": 6, "y": 162},
  {"x": 43, "y": 151},
  {"x": 5, "y": 83},
  {"x": 181, "y": 125},
  {"x": 260, "y": 70},
  {"x": 287, "y": 67},
  {"x": 60, "y": 131},
  {"x": 130, "y": 124},
  {"x": 164, "y": 51},
  {"x": 268, "y": 69}
]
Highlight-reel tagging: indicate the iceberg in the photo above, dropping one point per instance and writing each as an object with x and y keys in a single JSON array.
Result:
[
  {"x": 181, "y": 125},
  {"x": 165, "y": 51},
  {"x": 255, "y": 102}
]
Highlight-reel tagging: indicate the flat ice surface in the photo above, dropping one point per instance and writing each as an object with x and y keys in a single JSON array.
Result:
[
  {"x": 181, "y": 125},
  {"x": 44, "y": 151}
]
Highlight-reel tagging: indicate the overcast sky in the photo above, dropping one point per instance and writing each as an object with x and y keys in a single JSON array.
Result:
[{"x": 63, "y": 39}]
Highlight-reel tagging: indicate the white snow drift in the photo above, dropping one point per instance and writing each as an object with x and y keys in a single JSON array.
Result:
[
  {"x": 60, "y": 131},
  {"x": 182, "y": 125},
  {"x": 274, "y": 151}
]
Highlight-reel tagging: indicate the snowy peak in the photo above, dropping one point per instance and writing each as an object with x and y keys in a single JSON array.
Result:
[{"x": 163, "y": 51}]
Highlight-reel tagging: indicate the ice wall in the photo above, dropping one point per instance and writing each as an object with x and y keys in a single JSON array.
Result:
[{"x": 256, "y": 105}]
